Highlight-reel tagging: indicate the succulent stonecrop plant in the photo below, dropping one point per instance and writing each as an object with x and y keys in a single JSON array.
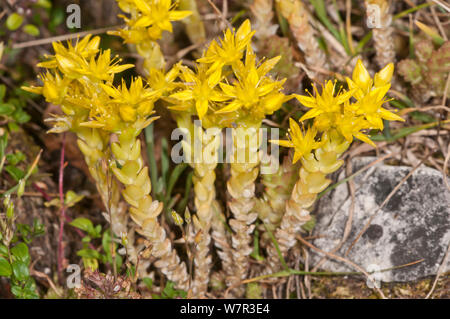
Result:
[
  {"x": 145, "y": 24},
  {"x": 338, "y": 116},
  {"x": 80, "y": 79},
  {"x": 277, "y": 190},
  {"x": 230, "y": 88},
  {"x": 427, "y": 73},
  {"x": 73, "y": 79},
  {"x": 134, "y": 106}
]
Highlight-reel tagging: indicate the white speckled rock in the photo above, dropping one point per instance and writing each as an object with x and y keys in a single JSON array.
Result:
[{"x": 413, "y": 225}]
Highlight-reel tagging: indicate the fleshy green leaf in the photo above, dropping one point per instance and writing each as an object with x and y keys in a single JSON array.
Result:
[
  {"x": 89, "y": 253},
  {"x": 46, "y": 4},
  {"x": 72, "y": 198},
  {"x": 5, "y": 268},
  {"x": 21, "y": 116},
  {"x": 31, "y": 30},
  {"x": 14, "y": 21},
  {"x": 7, "y": 109},
  {"x": 83, "y": 224},
  {"x": 21, "y": 253},
  {"x": 20, "y": 270},
  {"x": 3, "y": 250},
  {"x": 15, "y": 172}
]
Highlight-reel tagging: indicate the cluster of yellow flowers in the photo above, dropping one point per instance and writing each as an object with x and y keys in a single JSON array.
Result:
[
  {"x": 229, "y": 86},
  {"x": 349, "y": 113},
  {"x": 337, "y": 116},
  {"x": 146, "y": 21},
  {"x": 80, "y": 79}
]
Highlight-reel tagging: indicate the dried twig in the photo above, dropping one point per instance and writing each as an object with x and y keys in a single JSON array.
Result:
[{"x": 442, "y": 4}]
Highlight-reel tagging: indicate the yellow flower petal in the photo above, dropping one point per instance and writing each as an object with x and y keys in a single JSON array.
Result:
[
  {"x": 178, "y": 15},
  {"x": 384, "y": 76},
  {"x": 228, "y": 89},
  {"x": 233, "y": 106},
  {"x": 127, "y": 113},
  {"x": 311, "y": 114},
  {"x": 307, "y": 101},
  {"x": 364, "y": 138},
  {"x": 387, "y": 115},
  {"x": 361, "y": 76},
  {"x": 285, "y": 143},
  {"x": 202, "y": 108},
  {"x": 183, "y": 95},
  {"x": 144, "y": 21}
]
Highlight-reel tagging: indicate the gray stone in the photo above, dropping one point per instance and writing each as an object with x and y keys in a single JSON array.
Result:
[{"x": 413, "y": 225}]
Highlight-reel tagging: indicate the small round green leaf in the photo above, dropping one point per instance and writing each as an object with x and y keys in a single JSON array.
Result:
[
  {"x": 89, "y": 253},
  {"x": 20, "y": 270},
  {"x": 20, "y": 252},
  {"x": 31, "y": 30},
  {"x": 2, "y": 90},
  {"x": 3, "y": 251},
  {"x": 5, "y": 268},
  {"x": 14, "y": 21},
  {"x": 7, "y": 109},
  {"x": 83, "y": 224},
  {"x": 46, "y": 4},
  {"x": 72, "y": 198}
]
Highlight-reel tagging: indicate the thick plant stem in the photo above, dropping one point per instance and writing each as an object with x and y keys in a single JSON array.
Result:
[
  {"x": 94, "y": 144},
  {"x": 312, "y": 181},
  {"x": 278, "y": 189},
  {"x": 205, "y": 194},
  {"x": 379, "y": 19},
  {"x": 263, "y": 15},
  {"x": 144, "y": 210},
  {"x": 241, "y": 187},
  {"x": 221, "y": 237},
  {"x": 298, "y": 18}
]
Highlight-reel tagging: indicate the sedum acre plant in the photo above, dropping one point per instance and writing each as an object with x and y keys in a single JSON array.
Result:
[
  {"x": 74, "y": 78},
  {"x": 228, "y": 87},
  {"x": 80, "y": 79},
  {"x": 338, "y": 117},
  {"x": 145, "y": 23}
]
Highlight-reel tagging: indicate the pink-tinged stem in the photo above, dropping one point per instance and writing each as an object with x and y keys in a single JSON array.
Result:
[
  {"x": 40, "y": 190},
  {"x": 68, "y": 219},
  {"x": 62, "y": 209}
]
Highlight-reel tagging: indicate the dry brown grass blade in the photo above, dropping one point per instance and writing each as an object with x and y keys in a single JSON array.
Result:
[{"x": 442, "y": 4}]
